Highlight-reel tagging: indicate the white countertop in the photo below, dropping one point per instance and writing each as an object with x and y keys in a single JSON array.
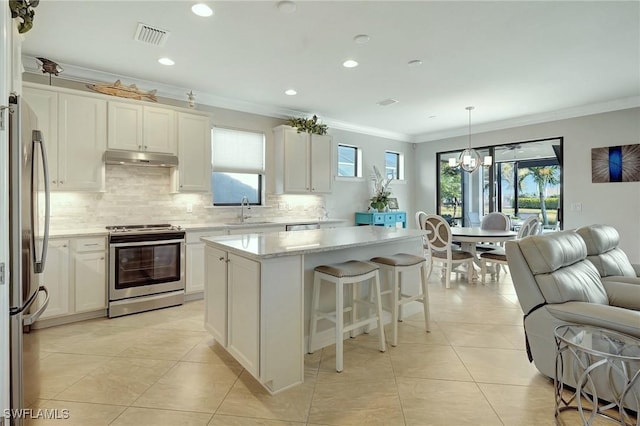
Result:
[
  {"x": 276, "y": 244},
  {"x": 255, "y": 223}
]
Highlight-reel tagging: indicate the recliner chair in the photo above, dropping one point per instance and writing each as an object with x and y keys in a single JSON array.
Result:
[
  {"x": 602, "y": 250},
  {"x": 557, "y": 285}
]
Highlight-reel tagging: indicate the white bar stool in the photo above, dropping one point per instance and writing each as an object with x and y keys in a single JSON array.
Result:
[
  {"x": 351, "y": 272},
  {"x": 397, "y": 265}
]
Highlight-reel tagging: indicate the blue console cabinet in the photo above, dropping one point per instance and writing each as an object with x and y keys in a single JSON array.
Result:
[{"x": 382, "y": 219}]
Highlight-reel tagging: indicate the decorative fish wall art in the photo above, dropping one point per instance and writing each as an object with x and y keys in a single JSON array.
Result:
[{"x": 123, "y": 91}]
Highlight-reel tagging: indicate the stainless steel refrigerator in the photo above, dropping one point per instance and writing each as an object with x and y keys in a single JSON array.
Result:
[{"x": 29, "y": 234}]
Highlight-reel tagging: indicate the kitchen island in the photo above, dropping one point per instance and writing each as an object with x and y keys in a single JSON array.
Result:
[{"x": 258, "y": 291}]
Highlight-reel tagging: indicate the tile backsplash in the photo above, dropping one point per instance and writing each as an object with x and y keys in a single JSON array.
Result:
[{"x": 139, "y": 195}]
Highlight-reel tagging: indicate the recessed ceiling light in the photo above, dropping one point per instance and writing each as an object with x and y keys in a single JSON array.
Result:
[
  {"x": 432, "y": 117},
  {"x": 350, "y": 63},
  {"x": 414, "y": 62},
  {"x": 287, "y": 6},
  {"x": 166, "y": 61},
  {"x": 202, "y": 9},
  {"x": 290, "y": 92},
  {"x": 361, "y": 39}
]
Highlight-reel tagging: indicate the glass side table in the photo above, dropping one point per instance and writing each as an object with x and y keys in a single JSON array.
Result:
[{"x": 590, "y": 355}]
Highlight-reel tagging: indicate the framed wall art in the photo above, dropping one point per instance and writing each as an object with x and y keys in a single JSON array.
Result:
[{"x": 615, "y": 164}]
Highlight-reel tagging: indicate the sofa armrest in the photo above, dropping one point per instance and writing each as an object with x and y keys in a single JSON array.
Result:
[
  {"x": 623, "y": 294},
  {"x": 610, "y": 317}
]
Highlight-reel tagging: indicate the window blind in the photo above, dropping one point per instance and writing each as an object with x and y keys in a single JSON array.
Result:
[{"x": 237, "y": 151}]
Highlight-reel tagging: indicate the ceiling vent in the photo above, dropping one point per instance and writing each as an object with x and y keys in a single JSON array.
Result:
[
  {"x": 387, "y": 102},
  {"x": 151, "y": 35}
]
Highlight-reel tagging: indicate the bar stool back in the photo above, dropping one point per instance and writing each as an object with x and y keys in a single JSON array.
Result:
[{"x": 353, "y": 272}]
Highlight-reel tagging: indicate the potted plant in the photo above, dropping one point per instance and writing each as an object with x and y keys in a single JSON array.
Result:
[
  {"x": 308, "y": 125},
  {"x": 23, "y": 11},
  {"x": 380, "y": 199}
]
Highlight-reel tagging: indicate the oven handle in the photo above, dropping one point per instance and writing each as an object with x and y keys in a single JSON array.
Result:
[{"x": 146, "y": 243}]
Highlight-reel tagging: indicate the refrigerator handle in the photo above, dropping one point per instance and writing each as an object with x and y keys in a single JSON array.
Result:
[
  {"x": 31, "y": 318},
  {"x": 39, "y": 264}
]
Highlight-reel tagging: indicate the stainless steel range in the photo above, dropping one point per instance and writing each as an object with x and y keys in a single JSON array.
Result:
[{"x": 146, "y": 268}]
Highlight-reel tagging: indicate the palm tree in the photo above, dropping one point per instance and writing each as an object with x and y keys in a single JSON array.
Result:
[{"x": 542, "y": 176}]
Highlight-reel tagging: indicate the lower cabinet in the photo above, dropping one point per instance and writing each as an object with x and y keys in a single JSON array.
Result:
[
  {"x": 243, "y": 290},
  {"x": 194, "y": 253},
  {"x": 90, "y": 281},
  {"x": 76, "y": 276},
  {"x": 232, "y": 312},
  {"x": 56, "y": 279}
]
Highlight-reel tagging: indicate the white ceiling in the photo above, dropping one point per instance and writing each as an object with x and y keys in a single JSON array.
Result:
[{"x": 517, "y": 62}]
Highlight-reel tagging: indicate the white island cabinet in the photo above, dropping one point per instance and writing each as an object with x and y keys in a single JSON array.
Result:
[{"x": 258, "y": 291}]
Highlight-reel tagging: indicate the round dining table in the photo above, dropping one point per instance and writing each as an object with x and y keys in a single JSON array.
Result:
[{"x": 468, "y": 237}]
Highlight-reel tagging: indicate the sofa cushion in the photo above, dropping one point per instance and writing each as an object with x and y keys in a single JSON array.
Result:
[
  {"x": 559, "y": 266},
  {"x": 602, "y": 250}
]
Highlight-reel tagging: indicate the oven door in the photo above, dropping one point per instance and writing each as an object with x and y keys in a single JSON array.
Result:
[{"x": 144, "y": 268}]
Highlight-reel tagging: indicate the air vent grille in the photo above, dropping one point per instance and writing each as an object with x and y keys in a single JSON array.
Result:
[
  {"x": 387, "y": 102},
  {"x": 151, "y": 35}
]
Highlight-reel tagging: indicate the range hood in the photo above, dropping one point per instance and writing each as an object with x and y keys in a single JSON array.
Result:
[{"x": 140, "y": 158}]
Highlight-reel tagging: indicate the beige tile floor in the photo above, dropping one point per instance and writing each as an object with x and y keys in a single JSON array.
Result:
[{"x": 162, "y": 368}]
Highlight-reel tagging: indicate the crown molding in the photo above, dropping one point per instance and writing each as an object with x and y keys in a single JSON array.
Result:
[
  {"x": 526, "y": 120},
  {"x": 87, "y": 75}
]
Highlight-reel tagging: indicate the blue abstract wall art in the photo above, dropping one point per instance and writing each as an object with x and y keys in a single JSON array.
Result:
[{"x": 615, "y": 164}]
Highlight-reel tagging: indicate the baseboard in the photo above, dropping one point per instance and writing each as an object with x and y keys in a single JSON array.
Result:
[
  {"x": 197, "y": 295},
  {"x": 66, "y": 319}
]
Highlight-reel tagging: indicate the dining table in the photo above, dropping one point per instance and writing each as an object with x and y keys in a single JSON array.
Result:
[{"x": 469, "y": 237}]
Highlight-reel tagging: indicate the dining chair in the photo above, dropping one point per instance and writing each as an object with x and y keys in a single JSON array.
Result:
[
  {"x": 439, "y": 241},
  {"x": 496, "y": 221},
  {"x": 498, "y": 256},
  {"x": 419, "y": 215}
]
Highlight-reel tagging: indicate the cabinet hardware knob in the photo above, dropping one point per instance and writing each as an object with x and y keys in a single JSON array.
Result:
[
  {"x": 221, "y": 258},
  {"x": 102, "y": 258},
  {"x": 53, "y": 181},
  {"x": 64, "y": 245},
  {"x": 145, "y": 147},
  {"x": 228, "y": 260},
  {"x": 61, "y": 181}
]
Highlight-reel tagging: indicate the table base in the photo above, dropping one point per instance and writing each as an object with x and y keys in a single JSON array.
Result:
[{"x": 621, "y": 378}]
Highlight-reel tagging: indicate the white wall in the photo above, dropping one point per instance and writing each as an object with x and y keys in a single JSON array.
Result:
[{"x": 616, "y": 204}]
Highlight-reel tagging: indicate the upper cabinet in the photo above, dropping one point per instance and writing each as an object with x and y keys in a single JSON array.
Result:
[
  {"x": 74, "y": 128},
  {"x": 303, "y": 161},
  {"x": 134, "y": 127},
  {"x": 194, "y": 152}
]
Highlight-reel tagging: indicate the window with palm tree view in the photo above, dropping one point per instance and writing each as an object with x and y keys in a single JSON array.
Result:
[{"x": 525, "y": 179}]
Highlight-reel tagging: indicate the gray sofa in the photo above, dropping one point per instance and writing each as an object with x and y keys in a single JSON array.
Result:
[
  {"x": 610, "y": 261},
  {"x": 557, "y": 285}
]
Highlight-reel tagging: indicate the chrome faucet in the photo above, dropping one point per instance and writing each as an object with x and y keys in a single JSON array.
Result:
[{"x": 245, "y": 200}]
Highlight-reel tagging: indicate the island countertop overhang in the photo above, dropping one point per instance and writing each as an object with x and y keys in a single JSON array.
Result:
[{"x": 277, "y": 244}]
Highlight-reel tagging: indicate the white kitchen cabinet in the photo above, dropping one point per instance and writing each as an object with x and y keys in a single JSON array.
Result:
[
  {"x": 243, "y": 289},
  {"x": 76, "y": 277},
  {"x": 134, "y": 127},
  {"x": 56, "y": 278},
  {"x": 215, "y": 314},
  {"x": 194, "y": 252},
  {"x": 305, "y": 161},
  {"x": 194, "y": 153},
  {"x": 90, "y": 274},
  {"x": 74, "y": 129}
]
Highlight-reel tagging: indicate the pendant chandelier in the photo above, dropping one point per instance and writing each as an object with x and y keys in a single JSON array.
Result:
[{"x": 469, "y": 159}]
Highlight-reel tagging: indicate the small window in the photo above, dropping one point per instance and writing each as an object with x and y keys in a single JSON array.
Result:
[
  {"x": 237, "y": 158},
  {"x": 349, "y": 161},
  {"x": 394, "y": 167}
]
